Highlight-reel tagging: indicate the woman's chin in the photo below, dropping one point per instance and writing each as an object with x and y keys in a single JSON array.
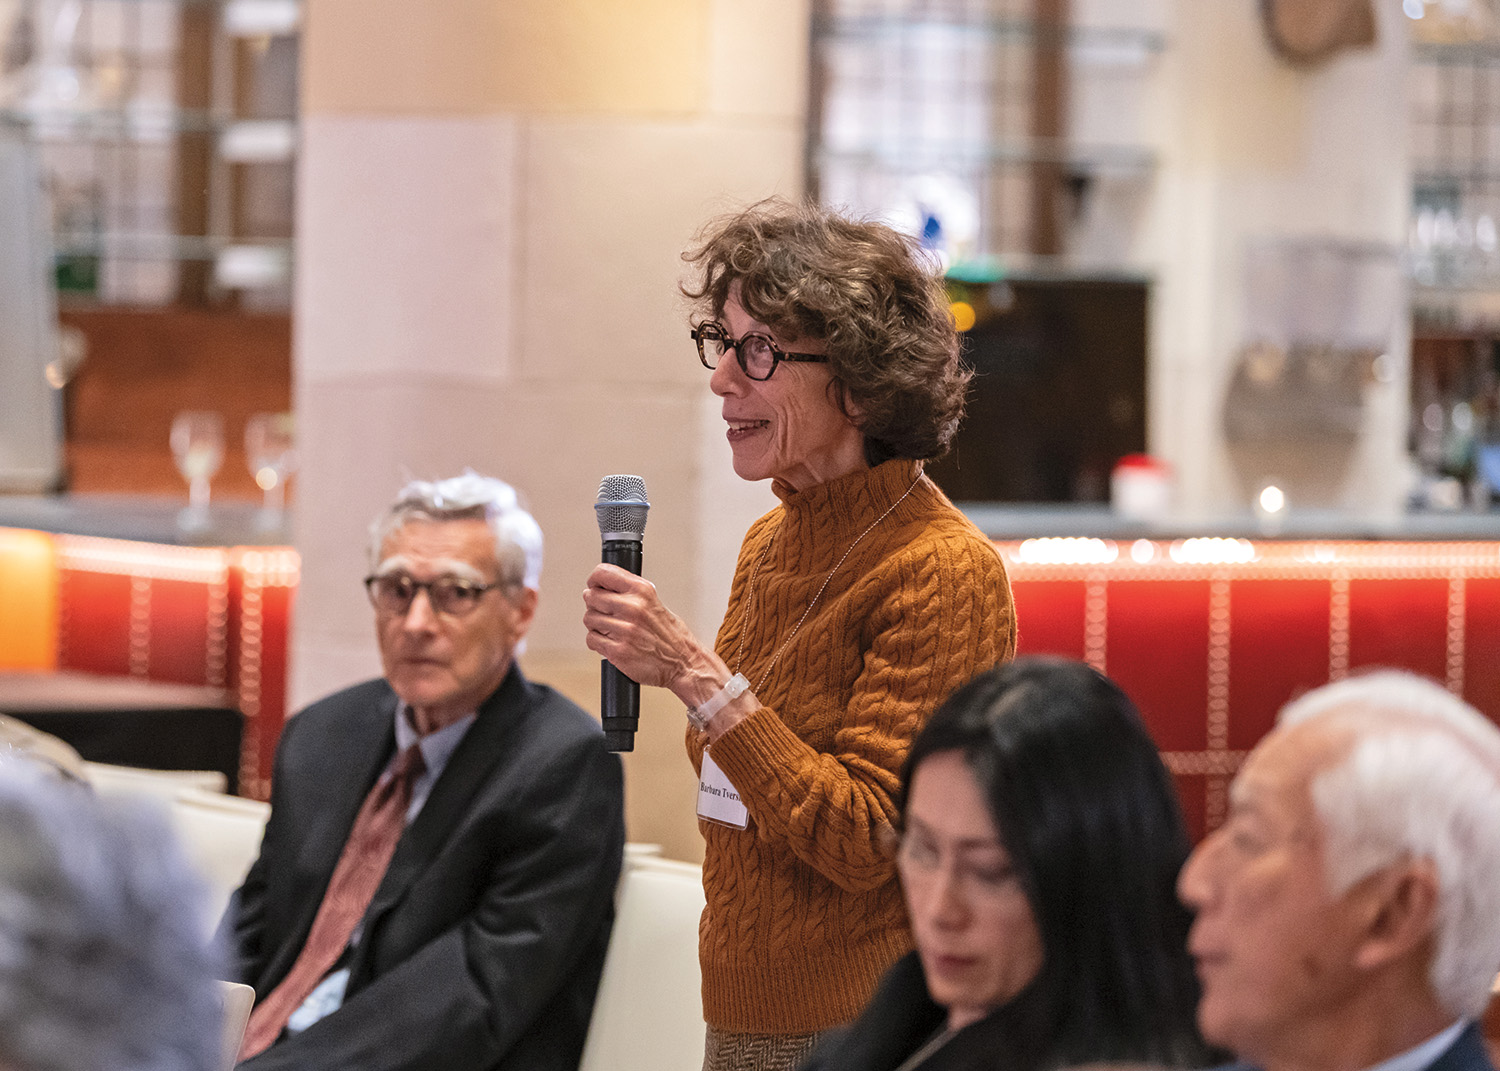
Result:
[
  {"x": 946, "y": 985},
  {"x": 958, "y": 998},
  {"x": 962, "y": 985},
  {"x": 750, "y": 468}
]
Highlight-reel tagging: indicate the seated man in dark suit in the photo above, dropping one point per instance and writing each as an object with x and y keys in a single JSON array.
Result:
[
  {"x": 1348, "y": 913},
  {"x": 436, "y": 882}
]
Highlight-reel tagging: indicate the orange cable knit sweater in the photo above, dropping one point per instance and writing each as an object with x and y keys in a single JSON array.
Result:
[{"x": 803, "y": 910}]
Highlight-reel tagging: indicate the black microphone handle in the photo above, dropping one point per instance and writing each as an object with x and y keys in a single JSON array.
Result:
[{"x": 619, "y": 696}]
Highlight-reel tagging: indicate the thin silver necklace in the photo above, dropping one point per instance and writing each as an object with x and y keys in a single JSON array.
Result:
[
  {"x": 739, "y": 656},
  {"x": 933, "y": 1044}
]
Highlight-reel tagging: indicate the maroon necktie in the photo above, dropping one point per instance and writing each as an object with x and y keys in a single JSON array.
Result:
[{"x": 361, "y": 866}]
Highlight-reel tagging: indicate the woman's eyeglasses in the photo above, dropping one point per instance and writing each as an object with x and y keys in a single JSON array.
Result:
[
  {"x": 920, "y": 859},
  {"x": 757, "y": 354}
]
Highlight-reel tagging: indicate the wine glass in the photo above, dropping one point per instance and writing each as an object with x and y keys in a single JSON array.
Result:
[
  {"x": 198, "y": 449},
  {"x": 270, "y": 453}
]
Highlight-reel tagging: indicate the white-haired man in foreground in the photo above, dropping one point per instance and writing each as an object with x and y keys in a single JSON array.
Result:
[{"x": 1348, "y": 912}]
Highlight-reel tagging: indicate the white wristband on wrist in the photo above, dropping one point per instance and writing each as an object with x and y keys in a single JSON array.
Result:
[{"x": 700, "y": 715}]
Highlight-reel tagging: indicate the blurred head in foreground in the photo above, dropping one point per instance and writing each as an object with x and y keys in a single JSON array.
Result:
[
  {"x": 103, "y": 965},
  {"x": 1041, "y": 843},
  {"x": 1349, "y": 909}
]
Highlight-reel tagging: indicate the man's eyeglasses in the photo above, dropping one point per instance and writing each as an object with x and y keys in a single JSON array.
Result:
[
  {"x": 448, "y": 595},
  {"x": 757, "y": 354}
]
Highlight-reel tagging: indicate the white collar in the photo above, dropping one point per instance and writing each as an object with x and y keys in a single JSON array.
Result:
[
  {"x": 1425, "y": 1054},
  {"x": 437, "y": 747}
]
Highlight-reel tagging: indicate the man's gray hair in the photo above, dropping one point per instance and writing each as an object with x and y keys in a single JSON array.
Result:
[
  {"x": 518, "y": 538},
  {"x": 1421, "y": 781},
  {"x": 103, "y": 961}
]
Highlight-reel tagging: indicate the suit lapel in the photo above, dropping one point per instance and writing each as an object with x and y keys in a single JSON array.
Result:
[
  {"x": 1467, "y": 1053},
  {"x": 354, "y": 761},
  {"x": 467, "y": 770}
]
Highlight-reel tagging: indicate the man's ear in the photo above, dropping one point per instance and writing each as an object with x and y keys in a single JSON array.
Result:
[
  {"x": 1401, "y": 912},
  {"x": 525, "y": 604}
]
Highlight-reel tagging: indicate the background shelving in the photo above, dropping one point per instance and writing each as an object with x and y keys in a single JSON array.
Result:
[
  {"x": 1000, "y": 130},
  {"x": 167, "y": 134}
]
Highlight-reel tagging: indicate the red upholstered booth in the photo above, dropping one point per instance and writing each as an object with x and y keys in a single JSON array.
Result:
[
  {"x": 215, "y": 616},
  {"x": 1211, "y": 636}
]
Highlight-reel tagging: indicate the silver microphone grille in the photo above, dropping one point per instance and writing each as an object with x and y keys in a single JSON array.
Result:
[{"x": 621, "y": 506}]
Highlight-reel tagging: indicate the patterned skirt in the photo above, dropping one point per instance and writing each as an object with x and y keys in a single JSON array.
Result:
[{"x": 724, "y": 1051}]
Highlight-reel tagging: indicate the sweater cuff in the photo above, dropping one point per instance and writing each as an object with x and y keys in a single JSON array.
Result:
[{"x": 752, "y": 752}]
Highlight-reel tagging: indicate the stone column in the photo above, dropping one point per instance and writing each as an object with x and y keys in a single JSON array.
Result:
[{"x": 493, "y": 197}]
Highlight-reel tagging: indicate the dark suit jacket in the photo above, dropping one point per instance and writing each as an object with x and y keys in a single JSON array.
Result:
[
  {"x": 902, "y": 1017},
  {"x": 484, "y": 943},
  {"x": 898, "y": 1021},
  {"x": 1465, "y": 1054}
]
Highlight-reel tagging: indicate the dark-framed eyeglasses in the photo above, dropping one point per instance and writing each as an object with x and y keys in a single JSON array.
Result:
[
  {"x": 757, "y": 354},
  {"x": 450, "y": 596}
]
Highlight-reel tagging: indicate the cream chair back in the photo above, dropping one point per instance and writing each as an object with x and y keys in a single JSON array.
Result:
[
  {"x": 128, "y": 782},
  {"x": 221, "y": 835},
  {"x": 236, "y": 1000},
  {"x": 649, "y": 1014}
]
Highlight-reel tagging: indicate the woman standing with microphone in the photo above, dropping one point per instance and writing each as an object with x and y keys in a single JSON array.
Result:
[{"x": 857, "y": 605}]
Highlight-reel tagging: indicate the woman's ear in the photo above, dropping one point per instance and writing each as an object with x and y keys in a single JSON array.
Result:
[{"x": 838, "y": 394}]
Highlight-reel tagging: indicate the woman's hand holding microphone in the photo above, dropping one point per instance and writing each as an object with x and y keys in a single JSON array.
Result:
[{"x": 628, "y": 624}]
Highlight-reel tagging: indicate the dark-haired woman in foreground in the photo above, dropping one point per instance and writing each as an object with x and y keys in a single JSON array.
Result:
[{"x": 1040, "y": 843}]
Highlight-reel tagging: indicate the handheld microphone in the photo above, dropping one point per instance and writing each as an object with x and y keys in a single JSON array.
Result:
[{"x": 621, "y": 507}]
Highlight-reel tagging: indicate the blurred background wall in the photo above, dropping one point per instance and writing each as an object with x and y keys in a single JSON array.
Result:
[
  {"x": 493, "y": 199},
  {"x": 492, "y": 196}
]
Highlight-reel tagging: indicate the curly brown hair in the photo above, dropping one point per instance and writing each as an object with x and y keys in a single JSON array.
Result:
[{"x": 864, "y": 289}]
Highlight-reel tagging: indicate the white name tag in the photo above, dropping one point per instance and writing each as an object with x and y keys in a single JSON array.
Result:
[{"x": 717, "y": 799}]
